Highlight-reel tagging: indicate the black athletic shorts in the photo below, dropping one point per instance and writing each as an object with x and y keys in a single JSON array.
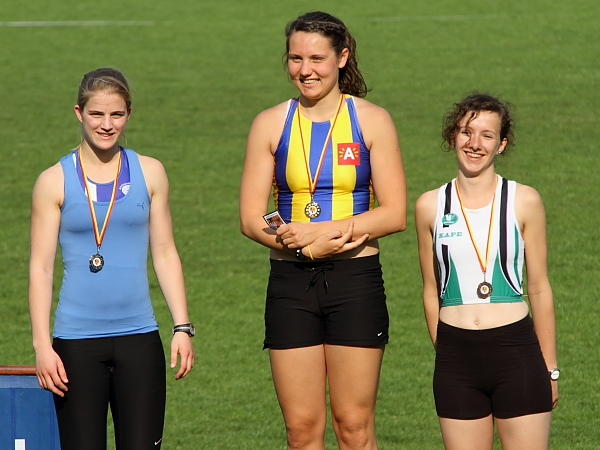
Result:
[
  {"x": 499, "y": 371},
  {"x": 335, "y": 302}
]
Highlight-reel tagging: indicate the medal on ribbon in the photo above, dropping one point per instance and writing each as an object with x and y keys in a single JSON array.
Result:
[
  {"x": 312, "y": 209},
  {"x": 484, "y": 289},
  {"x": 96, "y": 262}
]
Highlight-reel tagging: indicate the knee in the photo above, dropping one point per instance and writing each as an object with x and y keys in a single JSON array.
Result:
[
  {"x": 303, "y": 432},
  {"x": 355, "y": 432}
]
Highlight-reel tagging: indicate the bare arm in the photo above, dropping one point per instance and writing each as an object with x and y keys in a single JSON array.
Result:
[
  {"x": 425, "y": 210},
  {"x": 257, "y": 177},
  {"x": 167, "y": 264},
  {"x": 532, "y": 217},
  {"x": 45, "y": 223}
]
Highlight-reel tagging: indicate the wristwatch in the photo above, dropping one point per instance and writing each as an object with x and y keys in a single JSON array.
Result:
[
  {"x": 187, "y": 328},
  {"x": 554, "y": 374},
  {"x": 299, "y": 254}
]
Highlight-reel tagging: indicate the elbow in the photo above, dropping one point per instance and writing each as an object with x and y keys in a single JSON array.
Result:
[
  {"x": 399, "y": 221},
  {"x": 245, "y": 229},
  {"x": 400, "y": 226}
]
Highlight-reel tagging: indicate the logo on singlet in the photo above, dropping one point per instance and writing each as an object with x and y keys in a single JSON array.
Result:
[
  {"x": 124, "y": 188},
  {"x": 449, "y": 219},
  {"x": 348, "y": 154}
]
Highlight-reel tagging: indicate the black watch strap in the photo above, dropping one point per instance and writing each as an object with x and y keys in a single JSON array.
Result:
[
  {"x": 187, "y": 328},
  {"x": 299, "y": 255}
]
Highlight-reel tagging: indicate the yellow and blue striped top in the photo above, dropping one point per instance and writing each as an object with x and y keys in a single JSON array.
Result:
[{"x": 344, "y": 186}]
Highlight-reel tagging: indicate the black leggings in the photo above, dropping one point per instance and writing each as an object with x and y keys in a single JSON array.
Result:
[{"x": 126, "y": 371}]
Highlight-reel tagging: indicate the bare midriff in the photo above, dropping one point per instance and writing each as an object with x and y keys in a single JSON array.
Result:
[{"x": 483, "y": 316}]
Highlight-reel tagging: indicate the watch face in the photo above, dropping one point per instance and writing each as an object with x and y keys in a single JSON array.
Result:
[
  {"x": 554, "y": 374},
  {"x": 187, "y": 328},
  {"x": 299, "y": 255}
]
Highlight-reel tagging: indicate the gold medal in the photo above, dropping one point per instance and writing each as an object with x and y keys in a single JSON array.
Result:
[{"x": 313, "y": 209}]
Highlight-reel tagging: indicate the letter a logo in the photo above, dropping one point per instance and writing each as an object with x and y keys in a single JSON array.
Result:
[{"x": 348, "y": 154}]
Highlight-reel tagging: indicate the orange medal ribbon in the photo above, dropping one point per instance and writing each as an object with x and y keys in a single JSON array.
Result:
[
  {"x": 313, "y": 209},
  {"x": 96, "y": 261},
  {"x": 484, "y": 290}
]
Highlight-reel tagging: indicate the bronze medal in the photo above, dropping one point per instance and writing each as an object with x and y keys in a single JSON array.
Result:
[{"x": 484, "y": 290}]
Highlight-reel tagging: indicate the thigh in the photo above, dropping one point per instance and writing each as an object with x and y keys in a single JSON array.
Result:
[
  {"x": 138, "y": 391},
  {"x": 353, "y": 375},
  {"x": 477, "y": 434},
  {"x": 531, "y": 432},
  {"x": 299, "y": 376},
  {"x": 82, "y": 412}
]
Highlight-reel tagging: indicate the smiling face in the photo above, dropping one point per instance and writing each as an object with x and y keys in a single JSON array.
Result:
[
  {"x": 313, "y": 65},
  {"x": 478, "y": 141},
  {"x": 103, "y": 120}
]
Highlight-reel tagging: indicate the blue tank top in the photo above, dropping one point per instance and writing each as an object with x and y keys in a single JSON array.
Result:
[
  {"x": 344, "y": 188},
  {"x": 116, "y": 300}
]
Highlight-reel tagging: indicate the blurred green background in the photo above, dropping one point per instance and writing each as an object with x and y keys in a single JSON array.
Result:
[{"x": 201, "y": 71}]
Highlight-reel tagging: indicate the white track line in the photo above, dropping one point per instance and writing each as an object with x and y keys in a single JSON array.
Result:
[
  {"x": 67, "y": 23},
  {"x": 442, "y": 18}
]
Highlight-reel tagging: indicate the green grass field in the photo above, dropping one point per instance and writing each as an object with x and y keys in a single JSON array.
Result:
[{"x": 201, "y": 71}]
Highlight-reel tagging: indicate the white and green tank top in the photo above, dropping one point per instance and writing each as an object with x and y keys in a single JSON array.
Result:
[{"x": 458, "y": 265}]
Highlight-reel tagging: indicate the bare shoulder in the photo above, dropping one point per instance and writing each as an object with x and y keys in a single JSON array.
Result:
[
  {"x": 151, "y": 165},
  {"x": 267, "y": 127},
  {"x": 155, "y": 175},
  {"x": 51, "y": 179},
  {"x": 370, "y": 113},
  {"x": 529, "y": 206},
  {"x": 271, "y": 119},
  {"x": 527, "y": 196},
  {"x": 426, "y": 205},
  {"x": 49, "y": 188},
  {"x": 527, "y": 193}
]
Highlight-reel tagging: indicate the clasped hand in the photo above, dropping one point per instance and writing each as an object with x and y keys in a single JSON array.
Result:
[{"x": 300, "y": 234}]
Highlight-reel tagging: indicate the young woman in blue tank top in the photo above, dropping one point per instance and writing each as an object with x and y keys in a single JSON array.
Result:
[
  {"x": 105, "y": 205},
  {"x": 494, "y": 363},
  {"x": 327, "y": 154}
]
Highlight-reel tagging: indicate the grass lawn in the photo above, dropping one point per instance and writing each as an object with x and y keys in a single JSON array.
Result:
[{"x": 201, "y": 71}]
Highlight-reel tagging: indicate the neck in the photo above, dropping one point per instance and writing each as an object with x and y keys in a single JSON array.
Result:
[
  {"x": 322, "y": 109},
  {"x": 93, "y": 156},
  {"x": 477, "y": 192}
]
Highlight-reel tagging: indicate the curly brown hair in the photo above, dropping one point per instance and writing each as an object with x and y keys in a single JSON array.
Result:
[
  {"x": 351, "y": 80},
  {"x": 472, "y": 105}
]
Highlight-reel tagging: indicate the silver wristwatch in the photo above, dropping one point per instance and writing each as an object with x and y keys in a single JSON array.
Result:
[{"x": 554, "y": 374}]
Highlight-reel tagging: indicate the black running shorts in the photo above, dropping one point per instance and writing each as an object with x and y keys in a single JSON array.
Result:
[{"x": 335, "y": 302}]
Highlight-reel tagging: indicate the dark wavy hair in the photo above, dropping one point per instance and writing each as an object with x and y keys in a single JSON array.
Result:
[
  {"x": 103, "y": 80},
  {"x": 472, "y": 105},
  {"x": 351, "y": 80}
]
